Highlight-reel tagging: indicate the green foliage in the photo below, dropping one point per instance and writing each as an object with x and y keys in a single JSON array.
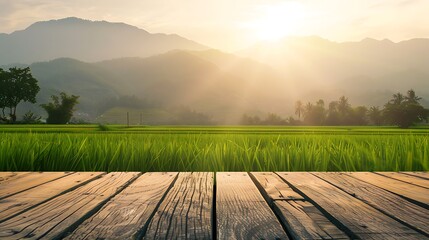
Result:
[
  {"x": 404, "y": 111},
  {"x": 61, "y": 110},
  {"x": 213, "y": 149},
  {"x": 31, "y": 118},
  {"x": 16, "y": 85},
  {"x": 375, "y": 115},
  {"x": 103, "y": 127},
  {"x": 401, "y": 110},
  {"x": 314, "y": 114}
]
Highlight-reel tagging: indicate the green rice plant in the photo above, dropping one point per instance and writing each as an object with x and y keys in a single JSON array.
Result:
[{"x": 202, "y": 150}]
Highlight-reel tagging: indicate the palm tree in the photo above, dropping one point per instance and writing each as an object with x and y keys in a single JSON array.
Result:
[
  {"x": 343, "y": 105},
  {"x": 299, "y": 109},
  {"x": 411, "y": 96},
  {"x": 374, "y": 114},
  {"x": 398, "y": 98}
]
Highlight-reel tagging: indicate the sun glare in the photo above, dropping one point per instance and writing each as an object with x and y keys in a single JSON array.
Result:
[{"x": 276, "y": 21}]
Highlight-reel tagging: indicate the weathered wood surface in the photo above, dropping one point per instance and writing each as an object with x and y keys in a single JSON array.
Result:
[
  {"x": 302, "y": 219},
  {"x": 387, "y": 202},
  {"x": 53, "y": 218},
  {"x": 406, "y": 178},
  {"x": 186, "y": 211},
  {"x": 424, "y": 175},
  {"x": 360, "y": 220},
  {"x": 6, "y": 176},
  {"x": 20, "y": 202},
  {"x": 28, "y": 181},
  {"x": 124, "y": 216},
  {"x": 241, "y": 211},
  {"x": 401, "y": 188},
  {"x": 300, "y": 205}
]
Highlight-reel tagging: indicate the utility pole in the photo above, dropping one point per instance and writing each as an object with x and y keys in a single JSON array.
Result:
[{"x": 141, "y": 119}]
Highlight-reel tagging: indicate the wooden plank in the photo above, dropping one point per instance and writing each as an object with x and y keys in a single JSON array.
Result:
[
  {"x": 129, "y": 211},
  {"x": 357, "y": 218},
  {"x": 57, "y": 216},
  {"x": 275, "y": 188},
  {"x": 7, "y": 176},
  {"x": 241, "y": 211},
  {"x": 387, "y": 202},
  {"x": 28, "y": 181},
  {"x": 17, "y": 203},
  {"x": 412, "y": 192},
  {"x": 186, "y": 211},
  {"x": 424, "y": 175},
  {"x": 407, "y": 178},
  {"x": 300, "y": 217}
]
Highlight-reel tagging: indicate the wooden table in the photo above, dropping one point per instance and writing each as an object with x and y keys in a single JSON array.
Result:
[{"x": 206, "y": 205}]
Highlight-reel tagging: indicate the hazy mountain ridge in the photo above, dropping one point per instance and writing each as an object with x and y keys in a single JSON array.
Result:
[
  {"x": 268, "y": 77},
  {"x": 329, "y": 68},
  {"x": 176, "y": 78},
  {"x": 87, "y": 41}
]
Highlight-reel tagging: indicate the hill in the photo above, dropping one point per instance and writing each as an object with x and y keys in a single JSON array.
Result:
[
  {"x": 85, "y": 40},
  {"x": 171, "y": 81},
  {"x": 368, "y": 71}
]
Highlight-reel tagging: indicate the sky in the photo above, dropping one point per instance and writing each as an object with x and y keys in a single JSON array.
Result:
[{"x": 234, "y": 25}]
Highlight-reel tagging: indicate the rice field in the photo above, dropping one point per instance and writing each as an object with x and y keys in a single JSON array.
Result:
[{"x": 191, "y": 148}]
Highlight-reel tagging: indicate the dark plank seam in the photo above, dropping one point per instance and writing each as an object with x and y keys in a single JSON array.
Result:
[
  {"x": 55, "y": 196},
  {"x": 375, "y": 207},
  {"x": 423, "y": 205},
  {"x": 401, "y": 180},
  {"x": 271, "y": 205},
  {"x": 73, "y": 227},
  {"x": 67, "y": 174},
  {"x": 142, "y": 232},
  {"x": 213, "y": 218},
  {"x": 331, "y": 218},
  {"x": 422, "y": 177},
  {"x": 13, "y": 177}
]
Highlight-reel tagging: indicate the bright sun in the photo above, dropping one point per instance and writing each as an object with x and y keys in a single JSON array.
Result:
[{"x": 276, "y": 21}]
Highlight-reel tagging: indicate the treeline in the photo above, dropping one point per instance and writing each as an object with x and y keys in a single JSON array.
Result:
[
  {"x": 402, "y": 110},
  {"x": 18, "y": 85}
]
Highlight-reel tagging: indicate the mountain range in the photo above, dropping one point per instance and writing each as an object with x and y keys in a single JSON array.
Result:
[
  {"x": 86, "y": 40},
  {"x": 100, "y": 61}
]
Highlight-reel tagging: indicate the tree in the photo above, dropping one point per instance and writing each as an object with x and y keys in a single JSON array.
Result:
[
  {"x": 359, "y": 116},
  {"x": 333, "y": 117},
  {"x": 17, "y": 85},
  {"x": 60, "y": 112},
  {"x": 375, "y": 115},
  {"x": 404, "y": 111},
  {"x": 3, "y": 90},
  {"x": 299, "y": 109},
  {"x": 315, "y": 114}
]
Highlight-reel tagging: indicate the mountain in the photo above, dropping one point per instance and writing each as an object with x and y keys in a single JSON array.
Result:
[
  {"x": 368, "y": 71},
  {"x": 208, "y": 82},
  {"x": 86, "y": 40}
]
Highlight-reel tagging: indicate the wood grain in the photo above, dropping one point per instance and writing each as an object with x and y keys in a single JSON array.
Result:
[
  {"x": 424, "y": 175},
  {"x": 357, "y": 217},
  {"x": 407, "y": 190},
  {"x": 300, "y": 217},
  {"x": 53, "y": 218},
  {"x": 391, "y": 204},
  {"x": 6, "y": 176},
  {"x": 407, "y": 178},
  {"x": 242, "y": 212},
  {"x": 20, "y": 202},
  {"x": 129, "y": 211},
  {"x": 28, "y": 181},
  {"x": 186, "y": 211}
]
